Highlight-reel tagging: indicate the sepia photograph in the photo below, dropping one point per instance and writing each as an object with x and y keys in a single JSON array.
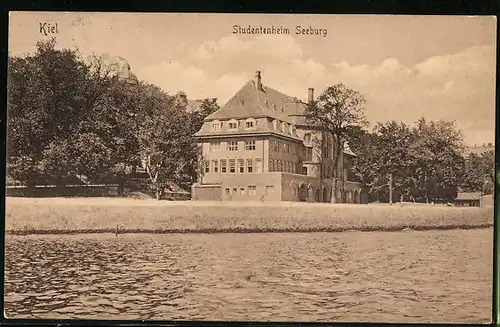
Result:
[{"x": 250, "y": 167}]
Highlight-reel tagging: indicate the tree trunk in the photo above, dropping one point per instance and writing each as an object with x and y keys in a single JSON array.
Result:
[
  {"x": 390, "y": 188},
  {"x": 337, "y": 182}
]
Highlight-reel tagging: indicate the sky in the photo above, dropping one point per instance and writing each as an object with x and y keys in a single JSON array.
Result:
[{"x": 406, "y": 67}]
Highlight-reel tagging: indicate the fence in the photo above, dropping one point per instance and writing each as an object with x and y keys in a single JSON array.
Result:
[{"x": 68, "y": 190}]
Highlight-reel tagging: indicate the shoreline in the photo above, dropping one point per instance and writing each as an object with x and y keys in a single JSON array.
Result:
[
  {"x": 237, "y": 230},
  {"x": 25, "y": 216}
]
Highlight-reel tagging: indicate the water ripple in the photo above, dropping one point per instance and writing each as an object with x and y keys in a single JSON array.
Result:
[{"x": 431, "y": 276}]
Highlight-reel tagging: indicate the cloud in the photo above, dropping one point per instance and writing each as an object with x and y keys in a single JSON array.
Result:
[
  {"x": 174, "y": 77},
  {"x": 220, "y": 68},
  {"x": 459, "y": 86}
]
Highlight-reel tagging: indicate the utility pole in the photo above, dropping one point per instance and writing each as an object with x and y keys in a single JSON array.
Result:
[{"x": 390, "y": 188}]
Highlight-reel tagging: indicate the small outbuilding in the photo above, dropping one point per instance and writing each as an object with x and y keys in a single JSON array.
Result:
[{"x": 468, "y": 199}]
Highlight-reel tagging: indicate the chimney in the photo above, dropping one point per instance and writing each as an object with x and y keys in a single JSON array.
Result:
[
  {"x": 310, "y": 97},
  {"x": 181, "y": 98},
  {"x": 258, "y": 80}
]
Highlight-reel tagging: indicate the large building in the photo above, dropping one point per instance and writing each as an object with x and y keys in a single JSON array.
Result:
[{"x": 258, "y": 147}]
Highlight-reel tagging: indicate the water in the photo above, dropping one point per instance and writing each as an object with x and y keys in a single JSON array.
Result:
[{"x": 428, "y": 276}]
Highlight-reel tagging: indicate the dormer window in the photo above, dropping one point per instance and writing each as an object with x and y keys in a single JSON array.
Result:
[
  {"x": 283, "y": 127},
  {"x": 282, "y": 109},
  {"x": 292, "y": 130},
  {"x": 216, "y": 126},
  {"x": 250, "y": 123},
  {"x": 275, "y": 125},
  {"x": 233, "y": 124},
  {"x": 274, "y": 106}
]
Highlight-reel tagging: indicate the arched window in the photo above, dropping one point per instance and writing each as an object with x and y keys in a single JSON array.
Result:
[
  {"x": 216, "y": 125},
  {"x": 283, "y": 127},
  {"x": 275, "y": 125},
  {"x": 307, "y": 138},
  {"x": 310, "y": 190}
]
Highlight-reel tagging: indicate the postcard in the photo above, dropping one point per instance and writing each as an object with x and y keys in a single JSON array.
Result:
[{"x": 250, "y": 167}]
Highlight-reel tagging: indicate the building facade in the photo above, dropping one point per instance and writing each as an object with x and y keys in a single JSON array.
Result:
[{"x": 258, "y": 147}]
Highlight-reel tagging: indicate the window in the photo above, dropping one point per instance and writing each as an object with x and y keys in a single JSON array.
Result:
[
  {"x": 232, "y": 146},
  {"x": 282, "y": 109},
  {"x": 280, "y": 166},
  {"x": 233, "y": 125},
  {"x": 206, "y": 163},
  {"x": 275, "y": 125},
  {"x": 216, "y": 126},
  {"x": 292, "y": 130},
  {"x": 242, "y": 191},
  {"x": 269, "y": 189},
  {"x": 272, "y": 165},
  {"x": 241, "y": 165},
  {"x": 304, "y": 170},
  {"x": 293, "y": 190},
  {"x": 215, "y": 166},
  {"x": 307, "y": 138},
  {"x": 232, "y": 165},
  {"x": 276, "y": 145},
  {"x": 214, "y": 146},
  {"x": 283, "y": 127},
  {"x": 228, "y": 191},
  {"x": 235, "y": 190},
  {"x": 250, "y": 145},
  {"x": 308, "y": 154},
  {"x": 286, "y": 147},
  {"x": 252, "y": 190},
  {"x": 249, "y": 124},
  {"x": 294, "y": 149},
  {"x": 249, "y": 165},
  {"x": 258, "y": 165},
  {"x": 223, "y": 165}
]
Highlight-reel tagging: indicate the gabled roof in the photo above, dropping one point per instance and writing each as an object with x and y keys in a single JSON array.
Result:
[
  {"x": 468, "y": 196},
  {"x": 250, "y": 101},
  {"x": 347, "y": 150}
]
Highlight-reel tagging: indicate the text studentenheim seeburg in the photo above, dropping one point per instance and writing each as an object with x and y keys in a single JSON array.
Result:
[{"x": 273, "y": 30}]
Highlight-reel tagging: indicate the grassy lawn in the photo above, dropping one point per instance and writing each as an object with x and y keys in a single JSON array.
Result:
[{"x": 52, "y": 215}]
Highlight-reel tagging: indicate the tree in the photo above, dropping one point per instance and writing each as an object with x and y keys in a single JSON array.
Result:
[
  {"x": 479, "y": 173},
  {"x": 425, "y": 161},
  {"x": 438, "y": 160},
  {"x": 337, "y": 110},
  {"x": 194, "y": 155},
  {"x": 163, "y": 138},
  {"x": 45, "y": 103},
  {"x": 394, "y": 139}
]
